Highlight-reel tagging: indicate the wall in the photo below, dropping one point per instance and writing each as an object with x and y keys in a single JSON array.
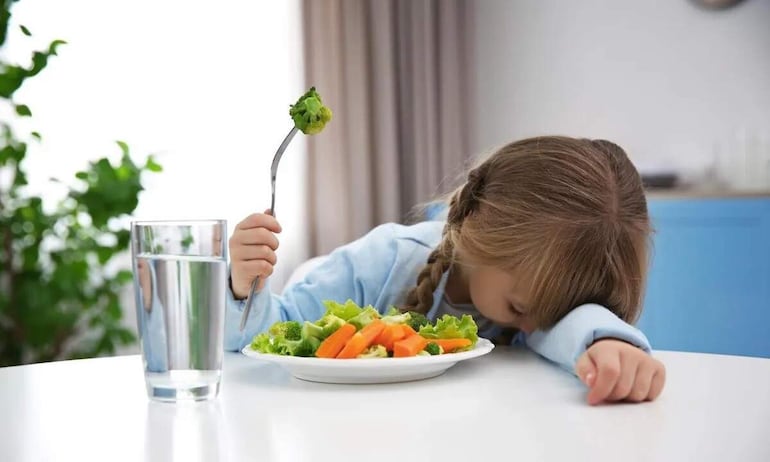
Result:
[{"x": 670, "y": 82}]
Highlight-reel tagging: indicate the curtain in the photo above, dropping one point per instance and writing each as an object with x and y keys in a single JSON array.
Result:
[{"x": 395, "y": 74}]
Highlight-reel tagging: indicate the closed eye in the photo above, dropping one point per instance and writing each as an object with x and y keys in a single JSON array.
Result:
[{"x": 515, "y": 310}]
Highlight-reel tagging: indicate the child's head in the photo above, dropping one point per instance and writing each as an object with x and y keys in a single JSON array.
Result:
[{"x": 542, "y": 226}]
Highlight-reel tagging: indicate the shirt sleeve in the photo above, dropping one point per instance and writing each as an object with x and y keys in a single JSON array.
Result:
[
  {"x": 356, "y": 271},
  {"x": 573, "y": 334}
]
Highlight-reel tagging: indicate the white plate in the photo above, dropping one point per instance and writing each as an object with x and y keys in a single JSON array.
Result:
[{"x": 377, "y": 370}]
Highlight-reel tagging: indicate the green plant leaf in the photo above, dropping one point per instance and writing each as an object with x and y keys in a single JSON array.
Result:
[
  {"x": 104, "y": 254},
  {"x": 5, "y": 15},
  {"x": 125, "y": 336},
  {"x": 113, "y": 311},
  {"x": 39, "y": 62},
  {"x": 124, "y": 277},
  {"x": 59, "y": 292},
  {"x": 152, "y": 166},
  {"x": 11, "y": 78},
  {"x": 123, "y": 147},
  {"x": 23, "y": 110},
  {"x": 25, "y": 31},
  {"x": 54, "y": 45},
  {"x": 124, "y": 238}
]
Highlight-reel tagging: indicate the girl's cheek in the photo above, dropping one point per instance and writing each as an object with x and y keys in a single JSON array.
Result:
[
  {"x": 496, "y": 313},
  {"x": 526, "y": 325}
]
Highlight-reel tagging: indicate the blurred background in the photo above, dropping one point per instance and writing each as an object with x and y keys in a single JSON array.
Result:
[{"x": 199, "y": 93}]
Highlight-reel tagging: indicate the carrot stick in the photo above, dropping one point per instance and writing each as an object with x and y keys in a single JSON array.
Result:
[
  {"x": 361, "y": 340},
  {"x": 409, "y": 346},
  {"x": 408, "y": 331},
  {"x": 389, "y": 335},
  {"x": 451, "y": 344},
  {"x": 334, "y": 343}
]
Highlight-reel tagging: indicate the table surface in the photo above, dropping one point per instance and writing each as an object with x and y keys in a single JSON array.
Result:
[{"x": 509, "y": 404}]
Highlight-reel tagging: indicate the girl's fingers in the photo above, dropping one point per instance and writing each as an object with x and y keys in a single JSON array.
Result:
[
  {"x": 259, "y": 220},
  {"x": 629, "y": 367},
  {"x": 586, "y": 370},
  {"x": 607, "y": 375},
  {"x": 254, "y": 236},
  {"x": 254, "y": 252},
  {"x": 642, "y": 383},
  {"x": 658, "y": 380}
]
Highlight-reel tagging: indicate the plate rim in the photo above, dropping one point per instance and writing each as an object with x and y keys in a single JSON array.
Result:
[{"x": 483, "y": 347}]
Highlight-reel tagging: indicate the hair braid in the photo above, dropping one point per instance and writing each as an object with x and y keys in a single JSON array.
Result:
[
  {"x": 464, "y": 202},
  {"x": 420, "y": 297}
]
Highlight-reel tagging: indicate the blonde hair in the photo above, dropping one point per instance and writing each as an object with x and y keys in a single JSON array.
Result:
[{"x": 569, "y": 215}]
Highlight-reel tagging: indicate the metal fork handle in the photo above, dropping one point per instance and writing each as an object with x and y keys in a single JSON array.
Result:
[
  {"x": 273, "y": 174},
  {"x": 249, "y": 301}
]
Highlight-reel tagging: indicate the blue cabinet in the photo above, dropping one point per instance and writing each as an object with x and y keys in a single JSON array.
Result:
[{"x": 709, "y": 282}]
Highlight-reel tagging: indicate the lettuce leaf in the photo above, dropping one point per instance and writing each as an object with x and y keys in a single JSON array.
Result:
[
  {"x": 450, "y": 327},
  {"x": 344, "y": 311}
]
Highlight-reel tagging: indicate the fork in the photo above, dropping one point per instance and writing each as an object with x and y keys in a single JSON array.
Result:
[{"x": 273, "y": 172}]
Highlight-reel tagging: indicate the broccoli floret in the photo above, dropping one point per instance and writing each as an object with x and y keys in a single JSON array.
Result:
[
  {"x": 309, "y": 113},
  {"x": 305, "y": 347},
  {"x": 374, "y": 351},
  {"x": 417, "y": 320},
  {"x": 365, "y": 317},
  {"x": 433, "y": 349},
  {"x": 392, "y": 311},
  {"x": 261, "y": 343},
  {"x": 291, "y": 330},
  {"x": 330, "y": 324},
  {"x": 322, "y": 328},
  {"x": 285, "y": 338},
  {"x": 310, "y": 329},
  {"x": 397, "y": 318},
  {"x": 302, "y": 347}
]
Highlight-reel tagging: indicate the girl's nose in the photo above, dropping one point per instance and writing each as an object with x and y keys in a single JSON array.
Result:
[{"x": 526, "y": 326}]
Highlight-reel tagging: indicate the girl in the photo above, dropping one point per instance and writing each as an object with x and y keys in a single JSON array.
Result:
[{"x": 545, "y": 244}]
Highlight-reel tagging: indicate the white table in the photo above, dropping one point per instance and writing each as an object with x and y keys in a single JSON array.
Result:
[{"x": 509, "y": 405}]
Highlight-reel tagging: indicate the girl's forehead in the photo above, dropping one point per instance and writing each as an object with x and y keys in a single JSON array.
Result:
[
  {"x": 516, "y": 285},
  {"x": 520, "y": 288}
]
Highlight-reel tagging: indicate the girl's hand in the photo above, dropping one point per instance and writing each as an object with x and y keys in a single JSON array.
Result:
[
  {"x": 252, "y": 252},
  {"x": 618, "y": 371}
]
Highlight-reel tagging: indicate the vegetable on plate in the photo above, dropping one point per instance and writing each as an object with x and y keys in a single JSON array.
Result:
[{"x": 349, "y": 331}]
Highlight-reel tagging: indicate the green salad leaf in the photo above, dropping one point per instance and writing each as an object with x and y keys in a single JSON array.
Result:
[
  {"x": 450, "y": 327},
  {"x": 396, "y": 318},
  {"x": 293, "y": 338},
  {"x": 344, "y": 311}
]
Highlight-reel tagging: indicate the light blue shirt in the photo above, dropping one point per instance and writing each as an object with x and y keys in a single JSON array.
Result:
[{"x": 379, "y": 268}]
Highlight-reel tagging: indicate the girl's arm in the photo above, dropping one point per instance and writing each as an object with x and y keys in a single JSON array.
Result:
[
  {"x": 578, "y": 330},
  {"x": 356, "y": 271}
]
